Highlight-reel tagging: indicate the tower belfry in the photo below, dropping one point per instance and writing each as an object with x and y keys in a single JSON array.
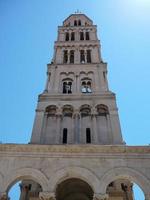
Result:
[
  {"x": 76, "y": 151},
  {"x": 77, "y": 106}
]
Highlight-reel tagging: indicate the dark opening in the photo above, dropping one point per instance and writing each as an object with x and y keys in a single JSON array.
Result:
[
  {"x": 67, "y": 36},
  {"x": 88, "y": 135},
  {"x": 65, "y": 56},
  {"x": 88, "y": 56},
  {"x": 75, "y": 23},
  {"x": 87, "y": 36},
  {"x": 65, "y": 136},
  {"x": 71, "y": 56},
  {"x": 82, "y": 56},
  {"x": 67, "y": 87},
  {"x": 81, "y": 36},
  {"x": 72, "y": 36},
  {"x": 79, "y": 22}
]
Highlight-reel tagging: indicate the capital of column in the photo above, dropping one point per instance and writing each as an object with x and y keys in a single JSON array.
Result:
[
  {"x": 100, "y": 197},
  {"x": 76, "y": 114},
  {"x": 47, "y": 196}
]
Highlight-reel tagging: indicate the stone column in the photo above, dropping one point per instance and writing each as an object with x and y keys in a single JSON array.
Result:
[
  {"x": 52, "y": 80},
  {"x": 3, "y": 196},
  {"x": 76, "y": 117},
  {"x": 47, "y": 82},
  {"x": 94, "y": 126},
  {"x": 47, "y": 196},
  {"x": 24, "y": 189},
  {"x": 58, "y": 127},
  {"x": 100, "y": 197}
]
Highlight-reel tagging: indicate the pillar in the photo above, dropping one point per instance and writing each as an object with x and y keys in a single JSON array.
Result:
[
  {"x": 47, "y": 83},
  {"x": 47, "y": 196},
  {"x": 24, "y": 188},
  {"x": 76, "y": 117},
  {"x": 59, "y": 120},
  {"x": 100, "y": 197},
  {"x": 94, "y": 126}
]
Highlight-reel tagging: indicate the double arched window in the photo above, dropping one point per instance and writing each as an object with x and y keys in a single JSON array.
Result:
[
  {"x": 67, "y": 86},
  {"x": 86, "y": 86}
]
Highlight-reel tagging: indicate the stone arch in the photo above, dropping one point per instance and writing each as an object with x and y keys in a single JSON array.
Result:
[
  {"x": 74, "y": 172},
  {"x": 25, "y": 173},
  {"x": 124, "y": 173}
]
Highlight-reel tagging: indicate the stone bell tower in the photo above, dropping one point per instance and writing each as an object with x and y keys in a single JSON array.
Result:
[{"x": 77, "y": 107}]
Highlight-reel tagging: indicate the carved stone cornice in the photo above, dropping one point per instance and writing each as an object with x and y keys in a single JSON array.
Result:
[
  {"x": 100, "y": 197},
  {"x": 47, "y": 196}
]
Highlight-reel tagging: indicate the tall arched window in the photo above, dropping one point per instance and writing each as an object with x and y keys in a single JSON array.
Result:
[
  {"x": 64, "y": 139},
  {"x": 87, "y": 36},
  {"x": 79, "y": 22},
  {"x": 65, "y": 58},
  {"x": 82, "y": 56},
  {"x": 75, "y": 22},
  {"x": 88, "y": 135},
  {"x": 81, "y": 36},
  {"x": 67, "y": 87},
  {"x": 86, "y": 86},
  {"x": 72, "y": 56},
  {"x": 88, "y": 56},
  {"x": 72, "y": 36},
  {"x": 67, "y": 37}
]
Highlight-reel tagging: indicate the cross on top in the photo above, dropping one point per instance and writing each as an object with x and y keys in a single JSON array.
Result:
[{"x": 77, "y": 12}]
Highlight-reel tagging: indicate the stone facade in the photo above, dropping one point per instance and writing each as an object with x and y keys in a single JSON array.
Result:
[{"x": 76, "y": 149}]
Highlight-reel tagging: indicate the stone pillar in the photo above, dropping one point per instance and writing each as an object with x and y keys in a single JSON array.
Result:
[
  {"x": 52, "y": 80},
  {"x": 24, "y": 189},
  {"x": 94, "y": 126},
  {"x": 76, "y": 117},
  {"x": 47, "y": 196},
  {"x": 58, "y": 127},
  {"x": 100, "y": 197},
  {"x": 47, "y": 82}
]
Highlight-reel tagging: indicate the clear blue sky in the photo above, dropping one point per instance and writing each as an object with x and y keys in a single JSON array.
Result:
[{"x": 28, "y": 31}]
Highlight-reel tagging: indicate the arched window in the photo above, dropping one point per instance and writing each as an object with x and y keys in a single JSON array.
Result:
[
  {"x": 82, "y": 56},
  {"x": 88, "y": 56},
  {"x": 72, "y": 36},
  {"x": 88, "y": 135},
  {"x": 65, "y": 59},
  {"x": 87, "y": 36},
  {"x": 51, "y": 110},
  {"x": 79, "y": 22},
  {"x": 67, "y": 37},
  {"x": 67, "y": 111},
  {"x": 72, "y": 56},
  {"x": 85, "y": 110},
  {"x": 75, "y": 22},
  {"x": 81, "y": 36},
  {"x": 86, "y": 86},
  {"x": 102, "y": 110},
  {"x": 67, "y": 87},
  {"x": 64, "y": 139}
]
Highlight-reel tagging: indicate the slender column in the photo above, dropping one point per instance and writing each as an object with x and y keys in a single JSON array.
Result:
[
  {"x": 59, "y": 119},
  {"x": 52, "y": 80},
  {"x": 94, "y": 125},
  {"x": 47, "y": 82},
  {"x": 76, "y": 117},
  {"x": 100, "y": 197},
  {"x": 24, "y": 188},
  {"x": 47, "y": 196}
]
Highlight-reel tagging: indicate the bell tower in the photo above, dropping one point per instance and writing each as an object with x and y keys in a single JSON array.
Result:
[{"x": 77, "y": 106}]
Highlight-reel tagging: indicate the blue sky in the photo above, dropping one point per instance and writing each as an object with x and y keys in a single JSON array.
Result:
[{"x": 28, "y": 32}]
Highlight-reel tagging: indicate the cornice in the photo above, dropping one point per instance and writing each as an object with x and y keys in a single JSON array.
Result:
[{"x": 107, "y": 151}]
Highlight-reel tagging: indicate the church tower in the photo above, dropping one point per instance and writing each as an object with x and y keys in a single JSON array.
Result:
[{"x": 77, "y": 106}]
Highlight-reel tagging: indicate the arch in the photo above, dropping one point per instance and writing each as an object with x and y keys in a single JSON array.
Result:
[
  {"x": 85, "y": 110},
  {"x": 51, "y": 109},
  {"x": 124, "y": 173},
  {"x": 24, "y": 174},
  {"x": 67, "y": 110},
  {"x": 74, "y": 172},
  {"x": 102, "y": 109}
]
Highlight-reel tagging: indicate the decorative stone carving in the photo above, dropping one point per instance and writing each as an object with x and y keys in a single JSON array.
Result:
[
  {"x": 47, "y": 196},
  {"x": 100, "y": 197}
]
